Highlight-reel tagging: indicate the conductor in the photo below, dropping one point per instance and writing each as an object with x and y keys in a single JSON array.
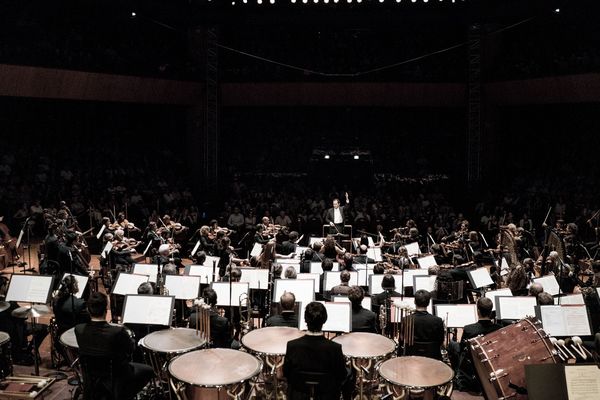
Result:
[{"x": 335, "y": 216}]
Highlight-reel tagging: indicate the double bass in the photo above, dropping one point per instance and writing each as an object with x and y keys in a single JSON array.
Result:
[{"x": 8, "y": 250}]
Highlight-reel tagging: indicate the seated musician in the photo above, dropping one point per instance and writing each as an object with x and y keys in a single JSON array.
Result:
[
  {"x": 98, "y": 340},
  {"x": 363, "y": 320},
  {"x": 428, "y": 329},
  {"x": 466, "y": 378},
  {"x": 166, "y": 255},
  {"x": 290, "y": 273},
  {"x": 388, "y": 284},
  {"x": 535, "y": 289},
  {"x": 288, "y": 316},
  {"x": 220, "y": 328},
  {"x": 288, "y": 246},
  {"x": 362, "y": 258},
  {"x": 519, "y": 276},
  {"x": 315, "y": 358},
  {"x": 263, "y": 231},
  {"x": 68, "y": 309},
  {"x": 344, "y": 286},
  {"x": 545, "y": 299}
]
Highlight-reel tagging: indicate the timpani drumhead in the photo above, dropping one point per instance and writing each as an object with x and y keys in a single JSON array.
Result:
[
  {"x": 270, "y": 340},
  {"x": 214, "y": 367},
  {"x": 177, "y": 340},
  {"x": 4, "y": 337},
  {"x": 365, "y": 345},
  {"x": 413, "y": 371},
  {"x": 68, "y": 339}
]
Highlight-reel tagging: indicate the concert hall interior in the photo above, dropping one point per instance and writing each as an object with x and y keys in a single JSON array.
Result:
[{"x": 299, "y": 199}]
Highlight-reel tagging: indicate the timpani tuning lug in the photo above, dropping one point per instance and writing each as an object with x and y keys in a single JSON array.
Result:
[
  {"x": 490, "y": 358},
  {"x": 494, "y": 376}
]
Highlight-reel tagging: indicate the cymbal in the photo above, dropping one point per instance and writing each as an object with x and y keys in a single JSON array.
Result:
[
  {"x": 4, "y": 305},
  {"x": 36, "y": 311}
]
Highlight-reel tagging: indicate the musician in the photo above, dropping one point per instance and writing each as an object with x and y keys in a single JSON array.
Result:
[
  {"x": 166, "y": 255},
  {"x": 308, "y": 257},
  {"x": 290, "y": 273},
  {"x": 330, "y": 249},
  {"x": 335, "y": 216},
  {"x": 363, "y": 320},
  {"x": 545, "y": 299},
  {"x": 344, "y": 287},
  {"x": 288, "y": 246},
  {"x": 264, "y": 231},
  {"x": 207, "y": 240},
  {"x": 68, "y": 309},
  {"x": 288, "y": 316},
  {"x": 535, "y": 289},
  {"x": 68, "y": 260},
  {"x": 313, "y": 357},
  {"x": 428, "y": 329},
  {"x": 153, "y": 236},
  {"x": 220, "y": 328},
  {"x": 98, "y": 338},
  {"x": 362, "y": 258},
  {"x": 388, "y": 284},
  {"x": 519, "y": 277}
]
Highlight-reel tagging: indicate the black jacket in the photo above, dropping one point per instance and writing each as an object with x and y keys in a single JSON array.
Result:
[
  {"x": 363, "y": 320},
  {"x": 288, "y": 318}
]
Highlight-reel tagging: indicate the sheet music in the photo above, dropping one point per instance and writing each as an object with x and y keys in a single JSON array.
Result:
[
  {"x": 339, "y": 317},
  {"x": 549, "y": 283},
  {"x": 152, "y": 309},
  {"x": 583, "y": 382},
  {"x": 332, "y": 279},
  {"x": 480, "y": 277},
  {"x": 408, "y": 277},
  {"x": 128, "y": 283},
  {"x": 492, "y": 294},
  {"x": 395, "y": 315},
  {"x": 211, "y": 260},
  {"x": 106, "y": 250},
  {"x": 99, "y": 234},
  {"x": 316, "y": 278},
  {"x": 183, "y": 287},
  {"x": 81, "y": 283},
  {"x": 29, "y": 288},
  {"x": 457, "y": 315},
  {"x": 313, "y": 240},
  {"x": 288, "y": 261},
  {"x": 364, "y": 274},
  {"x": 256, "y": 250},
  {"x": 258, "y": 278},
  {"x": 222, "y": 289},
  {"x": 576, "y": 298},
  {"x": 205, "y": 272},
  {"x": 300, "y": 250},
  {"x": 146, "y": 269},
  {"x": 426, "y": 262},
  {"x": 286, "y": 266},
  {"x": 366, "y": 301},
  {"x": 316, "y": 268},
  {"x": 413, "y": 249},
  {"x": 375, "y": 284},
  {"x": 374, "y": 253},
  {"x": 517, "y": 307},
  {"x": 424, "y": 282},
  {"x": 303, "y": 290},
  {"x": 571, "y": 320}
]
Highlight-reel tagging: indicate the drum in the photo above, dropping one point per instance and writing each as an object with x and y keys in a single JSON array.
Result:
[
  {"x": 161, "y": 346},
  {"x": 415, "y": 377},
  {"x": 500, "y": 357},
  {"x": 6, "y": 366},
  {"x": 213, "y": 374},
  {"x": 71, "y": 351},
  {"x": 365, "y": 351}
]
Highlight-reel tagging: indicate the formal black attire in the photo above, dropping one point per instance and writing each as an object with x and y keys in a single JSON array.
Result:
[
  {"x": 287, "y": 318},
  {"x": 363, "y": 320},
  {"x": 69, "y": 262},
  {"x": 428, "y": 335},
  {"x": 314, "y": 354},
  {"x": 99, "y": 341},
  {"x": 68, "y": 312},
  {"x": 330, "y": 217},
  {"x": 220, "y": 329},
  {"x": 286, "y": 248},
  {"x": 380, "y": 299}
]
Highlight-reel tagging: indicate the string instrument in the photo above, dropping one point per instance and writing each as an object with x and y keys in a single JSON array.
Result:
[
  {"x": 125, "y": 244},
  {"x": 9, "y": 243}
]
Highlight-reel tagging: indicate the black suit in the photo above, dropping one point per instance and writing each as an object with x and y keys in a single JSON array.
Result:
[
  {"x": 428, "y": 335},
  {"x": 380, "y": 299},
  {"x": 481, "y": 327},
  {"x": 330, "y": 217},
  {"x": 314, "y": 354},
  {"x": 363, "y": 320},
  {"x": 69, "y": 262},
  {"x": 220, "y": 329},
  {"x": 100, "y": 340},
  {"x": 287, "y": 318},
  {"x": 68, "y": 312},
  {"x": 286, "y": 248}
]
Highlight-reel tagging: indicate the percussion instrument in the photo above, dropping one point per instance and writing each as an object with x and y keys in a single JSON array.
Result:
[
  {"x": 71, "y": 351},
  {"x": 270, "y": 345},
  {"x": 500, "y": 357},
  {"x": 449, "y": 290},
  {"x": 6, "y": 366},
  {"x": 24, "y": 387},
  {"x": 416, "y": 377},
  {"x": 36, "y": 311},
  {"x": 364, "y": 350},
  {"x": 161, "y": 346},
  {"x": 213, "y": 374}
]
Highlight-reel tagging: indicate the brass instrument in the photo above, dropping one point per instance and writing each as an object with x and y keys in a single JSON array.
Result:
[
  {"x": 246, "y": 322},
  {"x": 203, "y": 320},
  {"x": 404, "y": 323}
]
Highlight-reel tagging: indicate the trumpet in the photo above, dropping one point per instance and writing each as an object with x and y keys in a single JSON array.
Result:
[{"x": 246, "y": 322}]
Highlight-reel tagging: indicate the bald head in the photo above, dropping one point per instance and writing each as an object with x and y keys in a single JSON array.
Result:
[
  {"x": 535, "y": 289},
  {"x": 287, "y": 301}
]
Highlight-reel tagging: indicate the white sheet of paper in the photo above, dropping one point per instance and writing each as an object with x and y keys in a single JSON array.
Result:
[
  {"x": 303, "y": 290},
  {"x": 146, "y": 269},
  {"x": 316, "y": 268},
  {"x": 395, "y": 315},
  {"x": 316, "y": 278},
  {"x": 413, "y": 249},
  {"x": 457, "y": 315},
  {"x": 211, "y": 260},
  {"x": 339, "y": 317},
  {"x": 549, "y": 283},
  {"x": 492, "y": 294},
  {"x": 364, "y": 274},
  {"x": 29, "y": 288},
  {"x": 128, "y": 283},
  {"x": 571, "y": 320},
  {"x": 183, "y": 287},
  {"x": 107, "y": 248},
  {"x": 576, "y": 298},
  {"x": 152, "y": 309},
  {"x": 313, "y": 240},
  {"x": 300, "y": 250},
  {"x": 408, "y": 277},
  {"x": 374, "y": 253},
  {"x": 426, "y": 262},
  {"x": 583, "y": 382},
  {"x": 332, "y": 279},
  {"x": 366, "y": 301},
  {"x": 288, "y": 261},
  {"x": 258, "y": 278},
  {"x": 424, "y": 282},
  {"x": 375, "y": 284},
  {"x": 99, "y": 234},
  {"x": 517, "y": 307},
  {"x": 481, "y": 277},
  {"x": 205, "y": 272},
  {"x": 256, "y": 250},
  {"x": 237, "y": 289},
  {"x": 81, "y": 283}
]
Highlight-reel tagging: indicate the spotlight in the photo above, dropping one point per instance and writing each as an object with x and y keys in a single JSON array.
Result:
[
  {"x": 305, "y": 1},
  {"x": 133, "y": 14},
  {"x": 557, "y": 11},
  {"x": 293, "y": 1},
  {"x": 327, "y": 157},
  {"x": 356, "y": 157},
  {"x": 259, "y": 1}
]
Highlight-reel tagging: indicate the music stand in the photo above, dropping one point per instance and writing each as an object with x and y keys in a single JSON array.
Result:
[
  {"x": 31, "y": 289},
  {"x": 148, "y": 309}
]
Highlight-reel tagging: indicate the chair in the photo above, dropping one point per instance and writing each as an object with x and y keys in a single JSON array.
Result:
[
  {"x": 314, "y": 386},
  {"x": 98, "y": 378}
]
